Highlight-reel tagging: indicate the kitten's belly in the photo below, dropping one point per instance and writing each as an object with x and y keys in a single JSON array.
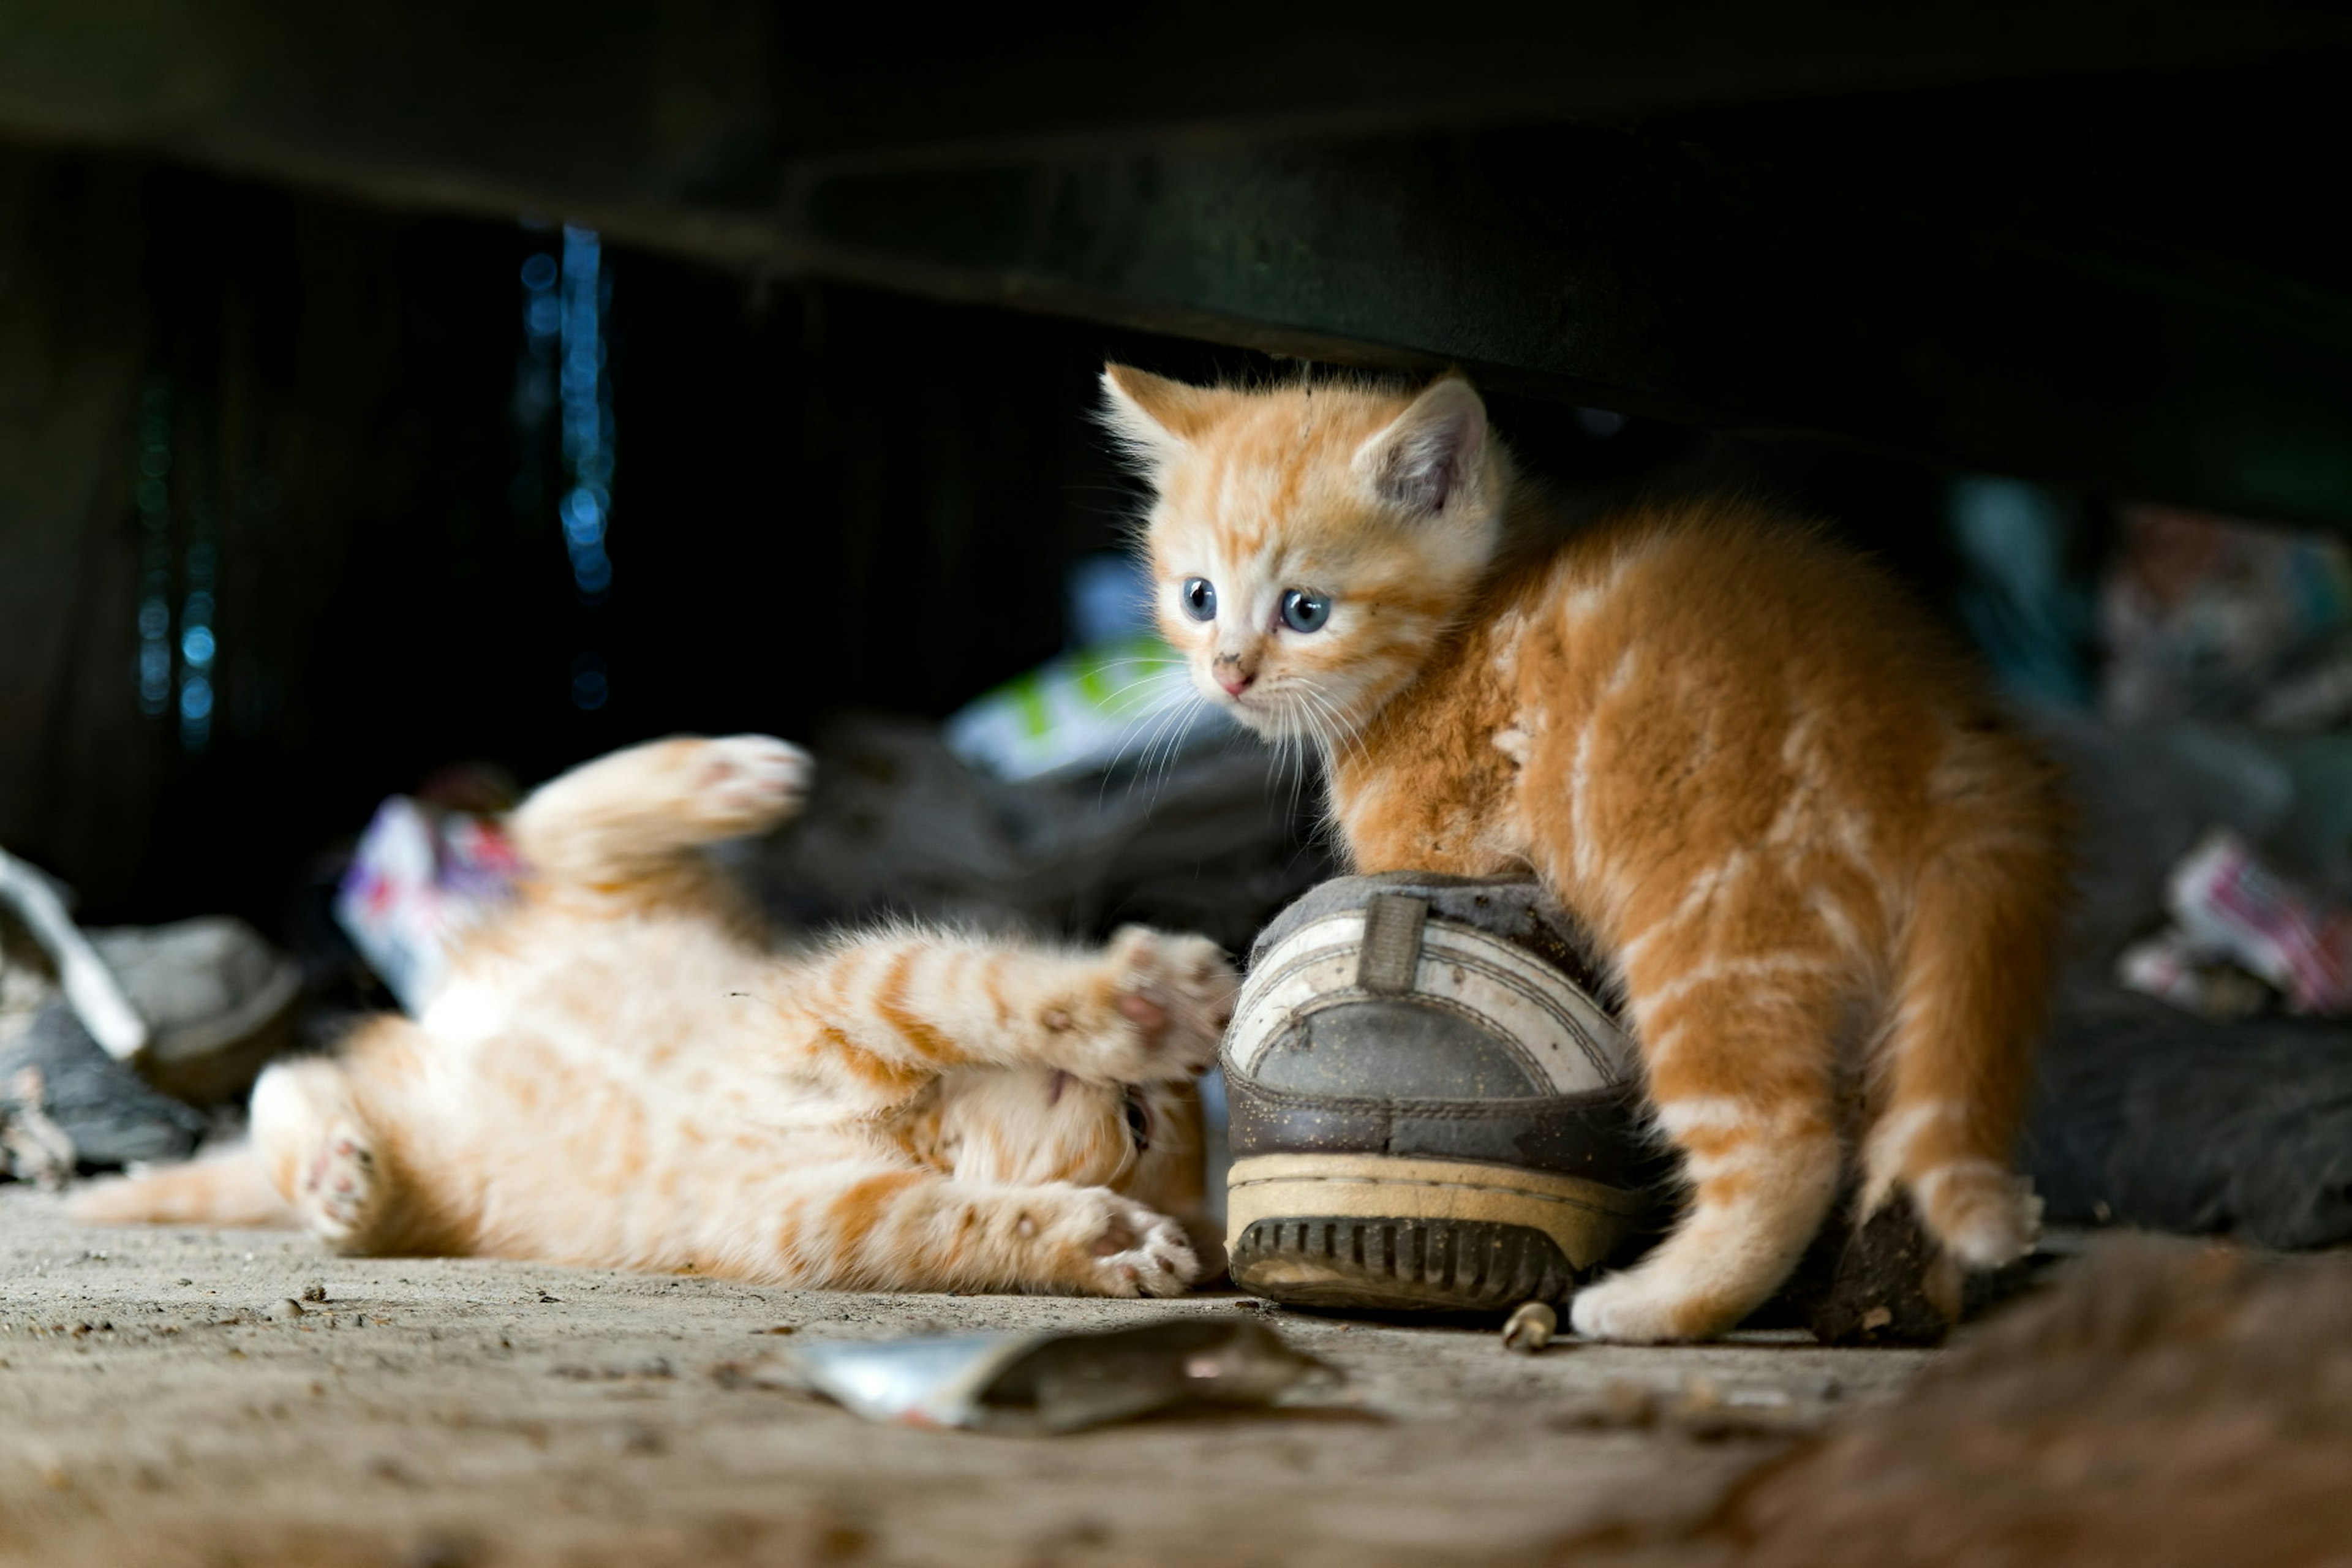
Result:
[
  {"x": 664, "y": 1019},
  {"x": 635, "y": 987},
  {"x": 598, "y": 1092}
]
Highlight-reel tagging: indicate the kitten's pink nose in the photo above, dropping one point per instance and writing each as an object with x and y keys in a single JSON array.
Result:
[{"x": 1236, "y": 681}]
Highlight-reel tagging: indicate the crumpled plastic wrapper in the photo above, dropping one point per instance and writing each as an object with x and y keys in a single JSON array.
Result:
[
  {"x": 421, "y": 877},
  {"x": 1039, "y": 1385},
  {"x": 2234, "y": 915}
]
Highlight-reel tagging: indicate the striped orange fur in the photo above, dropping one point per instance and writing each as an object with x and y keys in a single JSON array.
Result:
[
  {"x": 619, "y": 1073},
  {"x": 1827, "y": 874}
]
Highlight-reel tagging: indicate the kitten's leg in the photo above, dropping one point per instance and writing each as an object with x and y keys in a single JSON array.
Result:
[
  {"x": 882, "y": 1228},
  {"x": 1739, "y": 1047},
  {"x": 642, "y": 808},
  {"x": 1149, "y": 1008},
  {"x": 1969, "y": 1002},
  {"x": 335, "y": 1137},
  {"x": 322, "y": 1154}
]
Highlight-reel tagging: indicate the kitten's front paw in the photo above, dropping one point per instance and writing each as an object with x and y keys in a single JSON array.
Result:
[
  {"x": 1168, "y": 1000},
  {"x": 747, "y": 784},
  {"x": 1136, "y": 1251}
]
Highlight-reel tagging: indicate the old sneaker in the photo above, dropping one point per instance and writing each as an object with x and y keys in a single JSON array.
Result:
[{"x": 1431, "y": 1106}]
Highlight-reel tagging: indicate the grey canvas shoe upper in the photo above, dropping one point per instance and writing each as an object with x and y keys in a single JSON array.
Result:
[{"x": 1414, "y": 1014}]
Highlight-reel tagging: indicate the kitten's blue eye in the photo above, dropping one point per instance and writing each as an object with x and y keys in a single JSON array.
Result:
[
  {"x": 1304, "y": 612},
  {"x": 1199, "y": 598}
]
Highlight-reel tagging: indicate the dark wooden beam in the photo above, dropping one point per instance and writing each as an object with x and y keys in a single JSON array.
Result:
[
  {"x": 1657, "y": 275},
  {"x": 1405, "y": 190}
]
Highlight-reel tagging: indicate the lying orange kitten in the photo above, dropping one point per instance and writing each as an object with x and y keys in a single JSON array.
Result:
[
  {"x": 618, "y": 1073},
  {"x": 1737, "y": 754}
]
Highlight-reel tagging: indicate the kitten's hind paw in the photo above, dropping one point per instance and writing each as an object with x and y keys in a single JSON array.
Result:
[
  {"x": 1986, "y": 1216},
  {"x": 746, "y": 784},
  {"x": 342, "y": 1187},
  {"x": 1169, "y": 999}
]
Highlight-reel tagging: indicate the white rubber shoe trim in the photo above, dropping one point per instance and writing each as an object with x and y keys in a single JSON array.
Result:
[{"x": 1574, "y": 1045}]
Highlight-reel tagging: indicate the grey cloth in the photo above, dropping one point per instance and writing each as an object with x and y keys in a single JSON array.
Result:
[
  {"x": 1513, "y": 908},
  {"x": 2149, "y": 1117}
]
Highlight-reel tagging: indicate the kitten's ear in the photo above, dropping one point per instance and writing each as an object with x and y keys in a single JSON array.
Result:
[
  {"x": 1432, "y": 453},
  {"x": 1152, "y": 416}
]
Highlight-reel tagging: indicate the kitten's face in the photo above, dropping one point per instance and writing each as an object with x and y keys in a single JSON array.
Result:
[{"x": 1309, "y": 543}]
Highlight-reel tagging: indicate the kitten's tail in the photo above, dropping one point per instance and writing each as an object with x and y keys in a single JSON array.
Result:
[
  {"x": 226, "y": 1188},
  {"x": 1970, "y": 998}
]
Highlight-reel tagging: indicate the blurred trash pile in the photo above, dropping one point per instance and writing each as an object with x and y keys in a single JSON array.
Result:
[
  {"x": 2193, "y": 677},
  {"x": 2023, "y": 602},
  {"x": 110, "y": 1040},
  {"x": 896, "y": 824},
  {"x": 2207, "y": 618},
  {"x": 1096, "y": 789},
  {"x": 421, "y": 876},
  {"x": 1120, "y": 695},
  {"x": 1084, "y": 711}
]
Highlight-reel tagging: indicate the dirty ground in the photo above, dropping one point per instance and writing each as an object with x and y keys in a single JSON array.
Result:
[{"x": 161, "y": 1404}]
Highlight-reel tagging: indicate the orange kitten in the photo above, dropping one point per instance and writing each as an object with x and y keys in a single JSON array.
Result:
[
  {"x": 618, "y": 1073},
  {"x": 1736, "y": 753}
]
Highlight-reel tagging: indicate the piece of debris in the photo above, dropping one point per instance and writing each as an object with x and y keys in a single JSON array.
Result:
[
  {"x": 285, "y": 1311},
  {"x": 635, "y": 1437},
  {"x": 1038, "y": 1385},
  {"x": 90, "y": 987},
  {"x": 1700, "y": 1396},
  {"x": 1700, "y": 1409},
  {"x": 1724, "y": 1422},
  {"x": 1622, "y": 1404},
  {"x": 36, "y": 1149},
  {"x": 653, "y": 1368},
  {"x": 759, "y": 1372},
  {"x": 311, "y": 1292},
  {"x": 1530, "y": 1328}
]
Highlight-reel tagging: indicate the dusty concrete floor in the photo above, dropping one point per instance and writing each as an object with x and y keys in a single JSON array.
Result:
[{"x": 453, "y": 1414}]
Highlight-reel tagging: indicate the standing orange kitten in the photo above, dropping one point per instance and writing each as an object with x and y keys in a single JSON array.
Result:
[
  {"x": 618, "y": 1073},
  {"x": 1736, "y": 754}
]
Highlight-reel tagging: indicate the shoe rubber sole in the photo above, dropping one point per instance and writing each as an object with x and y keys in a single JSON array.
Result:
[{"x": 1380, "y": 1232}]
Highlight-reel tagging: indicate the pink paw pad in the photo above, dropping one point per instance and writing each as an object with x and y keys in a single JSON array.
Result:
[
  {"x": 1117, "y": 1236},
  {"x": 338, "y": 1183},
  {"x": 1175, "y": 992},
  {"x": 1144, "y": 1013}
]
